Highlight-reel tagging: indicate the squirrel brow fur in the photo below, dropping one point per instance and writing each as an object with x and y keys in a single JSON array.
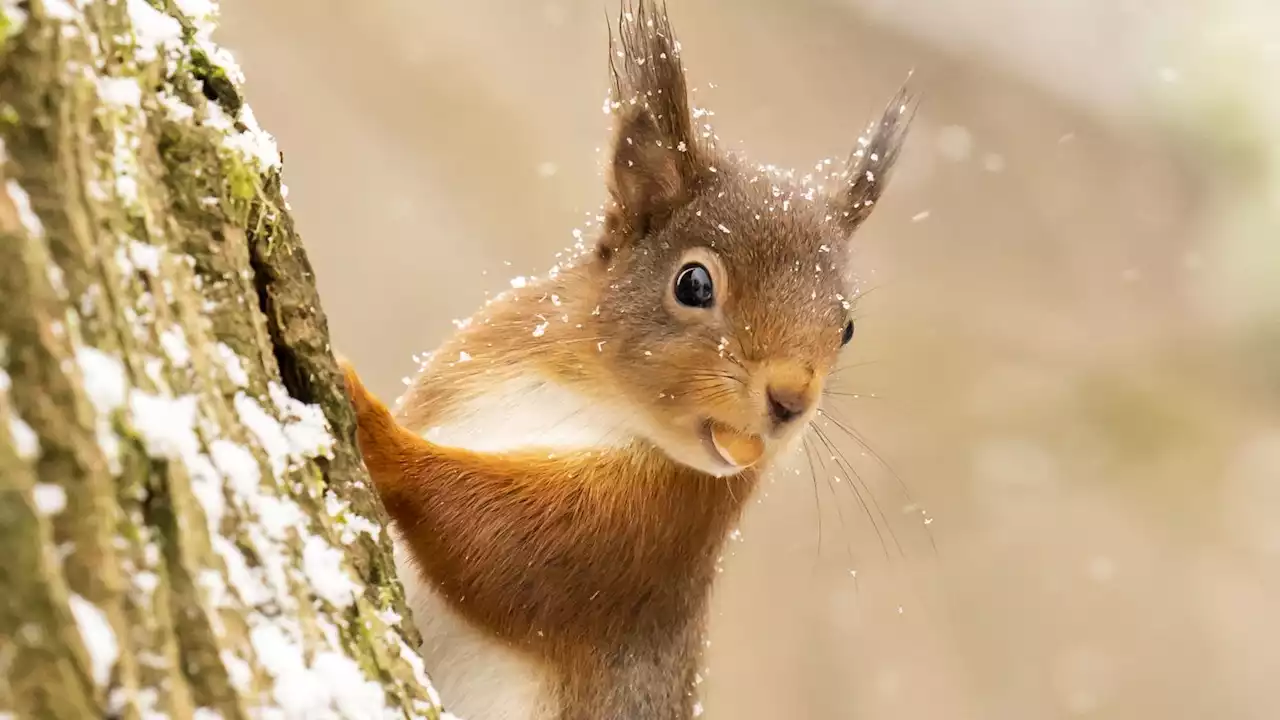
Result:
[{"x": 644, "y": 58}]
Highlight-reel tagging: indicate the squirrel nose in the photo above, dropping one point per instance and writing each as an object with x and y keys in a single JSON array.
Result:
[{"x": 786, "y": 404}]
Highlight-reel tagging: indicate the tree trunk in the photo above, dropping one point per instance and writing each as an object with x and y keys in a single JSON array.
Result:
[{"x": 186, "y": 527}]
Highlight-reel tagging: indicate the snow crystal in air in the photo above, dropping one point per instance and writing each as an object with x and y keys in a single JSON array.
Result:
[{"x": 99, "y": 639}]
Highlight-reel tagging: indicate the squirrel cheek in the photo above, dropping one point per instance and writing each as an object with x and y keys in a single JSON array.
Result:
[{"x": 740, "y": 449}]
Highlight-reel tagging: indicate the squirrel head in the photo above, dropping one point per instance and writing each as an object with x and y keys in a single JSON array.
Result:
[{"x": 726, "y": 288}]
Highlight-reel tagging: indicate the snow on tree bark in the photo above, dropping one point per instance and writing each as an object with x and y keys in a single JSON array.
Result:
[{"x": 186, "y": 529}]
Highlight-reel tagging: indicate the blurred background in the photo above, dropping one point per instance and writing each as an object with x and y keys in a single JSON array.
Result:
[{"x": 1069, "y": 367}]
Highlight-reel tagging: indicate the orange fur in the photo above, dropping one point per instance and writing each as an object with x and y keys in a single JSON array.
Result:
[{"x": 573, "y": 559}]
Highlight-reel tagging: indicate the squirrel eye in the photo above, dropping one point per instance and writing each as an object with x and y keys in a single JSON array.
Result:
[
  {"x": 693, "y": 287},
  {"x": 848, "y": 333}
]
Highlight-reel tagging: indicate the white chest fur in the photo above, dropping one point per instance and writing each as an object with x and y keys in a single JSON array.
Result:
[
  {"x": 478, "y": 676},
  {"x": 529, "y": 412}
]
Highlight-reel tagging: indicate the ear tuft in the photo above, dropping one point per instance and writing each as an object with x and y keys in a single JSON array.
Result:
[
  {"x": 867, "y": 172},
  {"x": 646, "y": 180},
  {"x": 657, "y": 160}
]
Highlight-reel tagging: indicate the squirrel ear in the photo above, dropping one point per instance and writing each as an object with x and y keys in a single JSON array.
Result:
[
  {"x": 867, "y": 172},
  {"x": 657, "y": 160},
  {"x": 646, "y": 181}
]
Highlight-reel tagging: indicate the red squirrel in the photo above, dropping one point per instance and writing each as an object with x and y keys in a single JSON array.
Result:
[{"x": 562, "y": 473}]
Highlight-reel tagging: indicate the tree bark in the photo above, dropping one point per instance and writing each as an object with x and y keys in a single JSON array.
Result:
[{"x": 186, "y": 528}]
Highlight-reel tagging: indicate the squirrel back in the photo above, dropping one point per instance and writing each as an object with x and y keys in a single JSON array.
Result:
[{"x": 564, "y": 470}]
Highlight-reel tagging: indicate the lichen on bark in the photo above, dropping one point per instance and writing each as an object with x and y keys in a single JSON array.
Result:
[{"x": 188, "y": 528}]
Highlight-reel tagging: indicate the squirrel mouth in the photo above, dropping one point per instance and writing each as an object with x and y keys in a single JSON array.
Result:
[{"x": 733, "y": 448}]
